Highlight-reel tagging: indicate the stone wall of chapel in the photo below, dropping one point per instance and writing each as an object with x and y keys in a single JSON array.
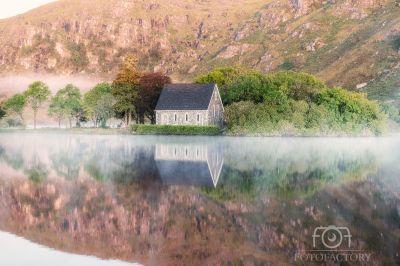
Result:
[
  {"x": 198, "y": 118},
  {"x": 215, "y": 110}
]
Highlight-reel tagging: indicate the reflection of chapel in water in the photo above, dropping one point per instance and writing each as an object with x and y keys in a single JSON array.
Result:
[{"x": 189, "y": 165}]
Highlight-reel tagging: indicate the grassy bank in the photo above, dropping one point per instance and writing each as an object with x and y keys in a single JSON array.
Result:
[
  {"x": 175, "y": 129},
  {"x": 81, "y": 130}
]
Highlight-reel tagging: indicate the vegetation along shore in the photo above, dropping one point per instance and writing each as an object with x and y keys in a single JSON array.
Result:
[{"x": 285, "y": 103}]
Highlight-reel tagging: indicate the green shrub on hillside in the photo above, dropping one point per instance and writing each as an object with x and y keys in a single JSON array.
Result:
[
  {"x": 391, "y": 111},
  {"x": 351, "y": 108},
  {"x": 175, "y": 129},
  {"x": 337, "y": 112},
  {"x": 237, "y": 84}
]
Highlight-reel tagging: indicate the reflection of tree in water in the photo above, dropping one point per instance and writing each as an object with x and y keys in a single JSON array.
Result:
[
  {"x": 41, "y": 202},
  {"x": 37, "y": 171},
  {"x": 136, "y": 172},
  {"x": 67, "y": 163},
  {"x": 288, "y": 178},
  {"x": 15, "y": 160},
  {"x": 97, "y": 161},
  {"x": 234, "y": 185}
]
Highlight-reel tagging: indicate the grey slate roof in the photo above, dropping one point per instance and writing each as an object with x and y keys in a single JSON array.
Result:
[{"x": 185, "y": 96}]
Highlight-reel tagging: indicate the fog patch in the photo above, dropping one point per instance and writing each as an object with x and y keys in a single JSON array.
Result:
[{"x": 12, "y": 84}]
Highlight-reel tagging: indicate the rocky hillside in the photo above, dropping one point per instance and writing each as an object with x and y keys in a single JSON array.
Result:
[{"x": 353, "y": 44}]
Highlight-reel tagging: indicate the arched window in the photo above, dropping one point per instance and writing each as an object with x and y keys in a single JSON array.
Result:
[
  {"x": 175, "y": 117},
  {"x": 198, "y": 117},
  {"x": 187, "y": 117}
]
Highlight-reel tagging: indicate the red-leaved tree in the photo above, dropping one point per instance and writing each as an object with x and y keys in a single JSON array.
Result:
[{"x": 150, "y": 87}]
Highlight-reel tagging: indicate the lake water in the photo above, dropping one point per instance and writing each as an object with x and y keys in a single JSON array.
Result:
[{"x": 158, "y": 200}]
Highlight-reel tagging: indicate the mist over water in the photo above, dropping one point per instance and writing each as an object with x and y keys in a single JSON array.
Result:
[{"x": 149, "y": 199}]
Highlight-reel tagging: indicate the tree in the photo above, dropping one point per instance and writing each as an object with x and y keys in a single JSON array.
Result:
[
  {"x": 125, "y": 88},
  {"x": 72, "y": 101},
  {"x": 390, "y": 110},
  {"x": 37, "y": 94},
  {"x": 15, "y": 106},
  {"x": 2, "y": 112},
  {"x": 57, "y": 108},
  {"x": 150, "y": 88},
  {"x": 104, "y": 108},
  {"x": 300, "y": 86},
  {"x": 92, "y": 97},
  {"x": 225, "y": 76},
  {"x": 222, "y": 75},
  {"x": 14, "y": 122},
  {"x": 79, "y": 113}
]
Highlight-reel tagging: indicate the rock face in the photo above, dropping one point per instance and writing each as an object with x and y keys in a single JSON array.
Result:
[
  {"x": 311, "y": 47},
  {"x": 93, "y": 38}
]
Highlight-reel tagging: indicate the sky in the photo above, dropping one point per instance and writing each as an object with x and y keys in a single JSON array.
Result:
[{"x": 10, "y": 8}]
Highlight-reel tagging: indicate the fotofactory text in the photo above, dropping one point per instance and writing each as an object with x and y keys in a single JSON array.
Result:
[{"x": 331, "y": 238}]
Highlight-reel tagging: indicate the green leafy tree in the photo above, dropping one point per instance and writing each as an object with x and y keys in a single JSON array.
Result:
[
  {"x": 222, "y": 75},
  {"x": 71, "y": 97},
  {"x": 15, "y": 106},
  {"x": 35, "y": 96},
  {"x": 91, "y": 98},
  {"x": 57, "y": 108},
  {"x": 298, "y": 86},
  {"x": 104, "y": 108},
  {"x": 240, "y": 84},
  {"x": 391, "y": 111},
  {"x": 125, "y": 88},
  {"x": 2, "y": 112},
  {"x": 14, "y": 122}
]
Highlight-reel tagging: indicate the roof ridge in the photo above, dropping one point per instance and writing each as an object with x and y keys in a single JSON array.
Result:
[{"x": 185, "y": 96}]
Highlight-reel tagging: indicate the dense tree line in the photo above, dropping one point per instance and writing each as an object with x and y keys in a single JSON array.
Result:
[
  {"x": 283, "y": 103},
  {"x": 289, "y": 103},
  {"x": 131, "y": 95}
]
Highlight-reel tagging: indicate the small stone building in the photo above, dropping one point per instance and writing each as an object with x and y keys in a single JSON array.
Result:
[{"x": 190, "y": 104}]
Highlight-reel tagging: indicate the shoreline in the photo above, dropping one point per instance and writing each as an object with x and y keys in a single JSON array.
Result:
[{"x": 127, "y": 131}]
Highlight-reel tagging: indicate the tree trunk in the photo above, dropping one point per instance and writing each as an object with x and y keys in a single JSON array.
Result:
[
  {"x": 59, "y": 122},
  {"x": 130, "y": 117},
  {"x": 23, "y": 120},
  {"x": 34, "y": 119},
  {"x": 141, "y": 118},
  {"x": 70, "y": 125},
  {"x": 126, "y": 118}
]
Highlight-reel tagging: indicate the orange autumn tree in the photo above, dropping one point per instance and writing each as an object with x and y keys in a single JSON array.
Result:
[{"x": 125, "y": 88}]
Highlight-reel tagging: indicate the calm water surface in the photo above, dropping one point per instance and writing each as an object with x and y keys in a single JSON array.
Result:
[{"x": 121, "y": 200}]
